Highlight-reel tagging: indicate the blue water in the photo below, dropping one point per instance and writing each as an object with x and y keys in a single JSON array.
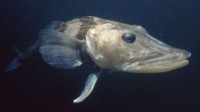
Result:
[{"x": 37, "y": 87}]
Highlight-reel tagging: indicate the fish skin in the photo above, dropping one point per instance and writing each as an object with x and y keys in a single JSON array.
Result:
[
  {"x": 103, "y": 40},
  {"x": 99, "y": 43}
]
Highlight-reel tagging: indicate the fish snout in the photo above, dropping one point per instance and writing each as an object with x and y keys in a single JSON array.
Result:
[
  {"x": 182, "y": 54},
  {"x": 159, "y": 57}
]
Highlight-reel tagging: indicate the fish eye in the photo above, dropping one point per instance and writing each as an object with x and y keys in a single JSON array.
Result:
[{"x": 128, "y": 37}]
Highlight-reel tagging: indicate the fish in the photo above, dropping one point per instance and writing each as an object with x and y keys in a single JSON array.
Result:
[{"x": 102, "y": 45}]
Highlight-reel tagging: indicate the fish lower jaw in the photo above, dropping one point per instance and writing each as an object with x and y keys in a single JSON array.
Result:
[{"x": 157, "y": 67}]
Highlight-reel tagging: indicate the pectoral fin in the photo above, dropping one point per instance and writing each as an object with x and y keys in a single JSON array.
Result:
[
  {"x": 58, "y": 49},
  {"x": 89, "y": 85}
]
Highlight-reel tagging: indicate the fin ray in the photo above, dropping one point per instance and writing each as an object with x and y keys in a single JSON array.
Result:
[
  {"x": 59, "y": 49},
  {"x": 15, "y": 63},
  {"x": 89, "y": 86},
  {"x": 53, "y": 24},
  {"x": 56, "y": 37},
  {"x": 60, "y": 56}
]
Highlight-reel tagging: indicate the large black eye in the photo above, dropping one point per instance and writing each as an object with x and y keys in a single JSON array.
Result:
[{"x": 128, "y": 37}]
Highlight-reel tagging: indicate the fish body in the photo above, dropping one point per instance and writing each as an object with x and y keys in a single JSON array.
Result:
[{"x": 104, "y": 44}]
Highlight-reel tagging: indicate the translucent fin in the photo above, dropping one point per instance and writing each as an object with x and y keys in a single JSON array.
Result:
[
  {"x": 59, "y": 49},
  {"x": 59, "y": 38},
  {"x": 89, "y": 85},
  {"x": 19, "y": 53},
  {"x": 15, "y": 63},
  {"x": 60, "y": 56},
  {"x": 53, "y": 24}
]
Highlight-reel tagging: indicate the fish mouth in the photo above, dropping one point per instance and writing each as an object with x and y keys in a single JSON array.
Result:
[{"x": 160, "y": 64}]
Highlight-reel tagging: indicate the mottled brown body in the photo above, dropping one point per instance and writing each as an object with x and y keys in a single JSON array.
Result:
[
  {"x": 77, "y": 28},
  {"x": 107, "y": 44},
  {"x": 103, "y": 42}
]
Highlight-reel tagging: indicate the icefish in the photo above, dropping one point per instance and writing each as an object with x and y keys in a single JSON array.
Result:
[{"x": 106, "y": 44}]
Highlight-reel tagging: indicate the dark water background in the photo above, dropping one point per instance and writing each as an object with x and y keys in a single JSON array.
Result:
[{"x": 37, "y": 87}]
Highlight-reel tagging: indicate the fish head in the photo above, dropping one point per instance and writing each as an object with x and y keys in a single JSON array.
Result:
[{"x": 130, "y": 48}]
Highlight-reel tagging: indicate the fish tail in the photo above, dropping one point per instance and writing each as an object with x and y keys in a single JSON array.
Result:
[{"x": 16, "y": 61}]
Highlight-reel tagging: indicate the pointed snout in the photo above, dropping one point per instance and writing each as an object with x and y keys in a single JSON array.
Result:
[
  {"x": 182, "y": 54},
  {"x": 159, "y": 58},
  {"x": 169, "y": 51}
]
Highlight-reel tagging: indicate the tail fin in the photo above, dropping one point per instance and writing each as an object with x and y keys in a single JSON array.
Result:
[{"x": 16, "y": 62}]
